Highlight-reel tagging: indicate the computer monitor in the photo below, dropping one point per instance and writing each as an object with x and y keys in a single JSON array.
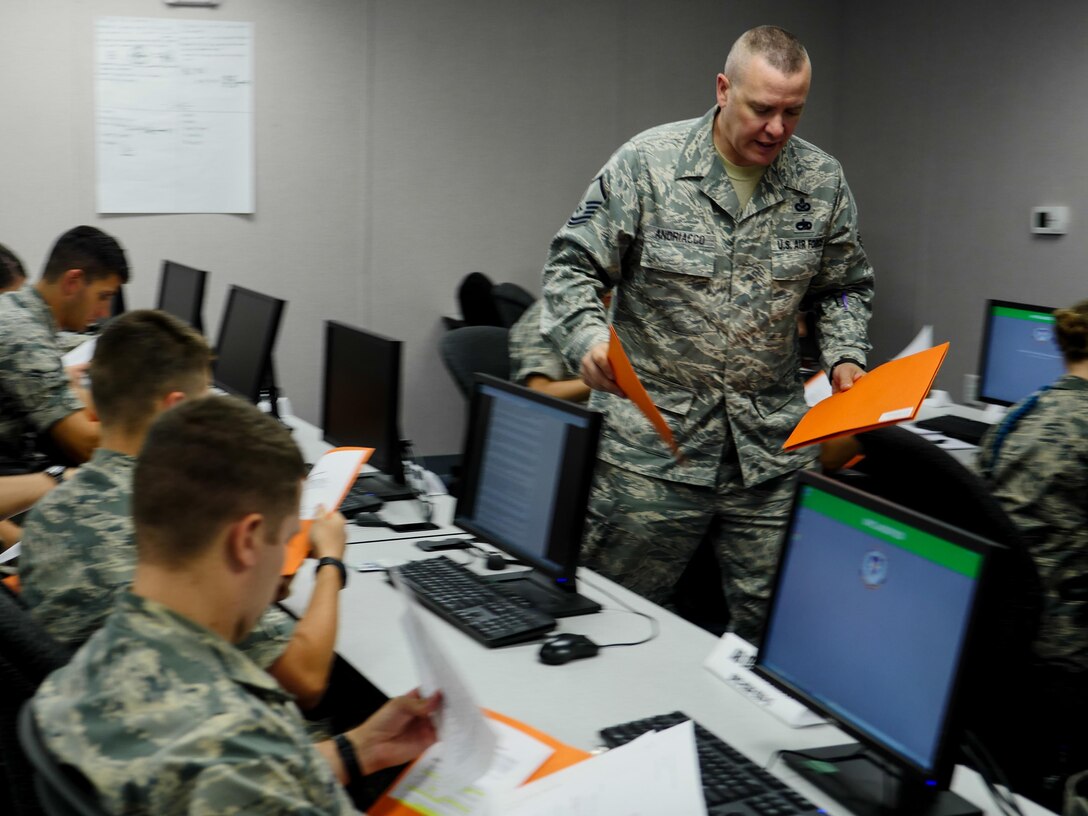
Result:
[
  {"x": 361, "y": 403},
  {"x": 526, "y": 476},
  {"x": 1019, "y": 352},
  {"x": 181, "y": 293},
  {"x": 243, "y": 353},
  {"x": 870, "y": 624}
]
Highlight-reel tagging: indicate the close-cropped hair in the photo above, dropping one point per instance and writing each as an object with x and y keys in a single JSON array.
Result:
[
  {"x": 1071, "y": 327},
  {"x": 87, "y": 248},
  {"x": 11, "y": 268},
  {"x": 141, "y": 357},
  {"x": 779, "y": 47},
  {"x": 207, "y": 463}
]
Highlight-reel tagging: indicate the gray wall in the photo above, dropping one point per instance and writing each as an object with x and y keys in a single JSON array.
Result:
[
  {"x": 404, "y": 143},
  {"x": 955, "y": 119}
]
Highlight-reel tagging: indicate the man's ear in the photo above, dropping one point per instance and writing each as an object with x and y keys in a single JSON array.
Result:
[
  {"x": 722, "y": 90},
  {"x": 71, "y": 281},
  {"x": 171, "y": 399},
  {"x": 245, "y": 539}
]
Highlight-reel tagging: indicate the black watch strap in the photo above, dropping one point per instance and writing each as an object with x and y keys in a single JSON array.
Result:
[
  {"x": 347, "y": 753},
  {"x": 335, "y": 562},
  {"x": 839, "y": 362}
]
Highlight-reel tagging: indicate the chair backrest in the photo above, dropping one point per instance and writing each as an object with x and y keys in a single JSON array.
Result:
[
  {"x": 906, "y": 469},
  {"x": 27, "y": 655},
  {"x": 511, "y": 301},
  {"x": 476, "y": 301},
  {"x": 475, "y": 348},
  {"x": 62, "y": 790}
]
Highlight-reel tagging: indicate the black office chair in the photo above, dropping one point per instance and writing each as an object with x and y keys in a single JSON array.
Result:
[
  {"x": 474, "y": 296},
  {"x": 511, "y": 301},
  {"x": 476, "y": 348},
  {"x": 27, "y": 655},
  {"x": 906, "y": 469},
  {"x": 62, "y": 790}
]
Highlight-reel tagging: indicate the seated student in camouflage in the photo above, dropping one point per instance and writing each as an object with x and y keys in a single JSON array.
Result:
[
  {"x": 85, "y": 269},
  {"x": 78, "y": 545},
  {"x": 12, "y": 273},
  {"x": 536, "y": 363},
  {"x": 159, "y": 710}
]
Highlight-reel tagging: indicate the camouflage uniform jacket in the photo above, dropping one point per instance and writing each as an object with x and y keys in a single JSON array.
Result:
[
  {"x": 707, "y": 296},
  {"x": 533, "y": 353},
  {"x": 165, "y": 717},
  {"x": 79, "y": 554},
  {"x": 1041, "y": 479},
  {"x": 34, "y": 388}
]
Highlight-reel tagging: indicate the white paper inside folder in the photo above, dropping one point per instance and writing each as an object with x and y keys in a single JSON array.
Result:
[{"x": 731, "y": 660}]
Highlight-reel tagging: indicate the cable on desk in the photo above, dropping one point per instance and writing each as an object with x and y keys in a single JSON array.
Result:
[
  {"x": 991, "y": 774},
  {"x": 655, "y": 628}
]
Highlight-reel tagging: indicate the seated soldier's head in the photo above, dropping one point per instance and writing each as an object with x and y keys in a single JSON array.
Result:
[
  {"x": 12, "y": 274},
  {"x": 216, "y": 498},
  {"x": 83, "y": 272},
  {"x": 144, "y": 362}
]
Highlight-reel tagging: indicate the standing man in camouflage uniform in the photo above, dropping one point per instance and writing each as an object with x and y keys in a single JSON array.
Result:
[
  {"x": 84, "y": 270},
  {"x": 159, "y": 710},
  {"x": 79, "y": 549},
  {"x": 715, "y": 232}
]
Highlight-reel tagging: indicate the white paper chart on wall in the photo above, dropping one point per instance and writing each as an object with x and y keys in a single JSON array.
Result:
[{"x": 174, "y": 116}]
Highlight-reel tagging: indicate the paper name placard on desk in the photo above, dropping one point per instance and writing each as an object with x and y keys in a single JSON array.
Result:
[
  {"x": 632, "y": 387},
  {"x": 888, "y": 394},
  {"x": 732, "y": 659}
]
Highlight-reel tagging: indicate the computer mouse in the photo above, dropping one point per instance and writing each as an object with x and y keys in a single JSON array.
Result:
[
  {"x": 495, "y": 561},
  {"x": 565, "y": 648}
]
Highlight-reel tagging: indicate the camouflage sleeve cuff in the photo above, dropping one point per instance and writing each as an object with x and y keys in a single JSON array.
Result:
[
  {"x": 581, "y": 342},
  {"x": 269, "y": 638}
]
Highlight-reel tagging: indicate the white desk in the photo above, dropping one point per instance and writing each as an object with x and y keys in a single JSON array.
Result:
[{"x": 574, "y": 701}]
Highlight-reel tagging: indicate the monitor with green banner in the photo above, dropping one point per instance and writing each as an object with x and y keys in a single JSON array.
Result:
[{"x": 1019, "y": 352}]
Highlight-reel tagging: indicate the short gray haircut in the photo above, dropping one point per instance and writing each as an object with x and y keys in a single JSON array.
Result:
[{"x": 779, "y": 47}]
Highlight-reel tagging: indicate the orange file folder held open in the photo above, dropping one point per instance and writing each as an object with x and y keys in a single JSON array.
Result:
[
  {"x": 629, "y": 383},
  {"x": 563, "y": 756},
  {"x": 888, "y": 394}
]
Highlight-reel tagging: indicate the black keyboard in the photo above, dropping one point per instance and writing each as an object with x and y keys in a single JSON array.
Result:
[
  {"x": 733, "y": 785},
  {"x": 479, "y": 609},
  {"x": 966, "y": 430}
]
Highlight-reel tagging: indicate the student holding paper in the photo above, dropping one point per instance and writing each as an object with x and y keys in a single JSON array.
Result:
[
  {"x": 715, "y": 232},
  {"x": 79, "y": 551},
  {"x": 85, "y": 269},
  {"x": 160, "y": 710}
]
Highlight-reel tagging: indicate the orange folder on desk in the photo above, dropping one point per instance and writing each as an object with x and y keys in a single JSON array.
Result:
[
  {"x": 629, "y": 383},
  {"x": 888, "y": 394},
  {"x": 563, "y": 756}
]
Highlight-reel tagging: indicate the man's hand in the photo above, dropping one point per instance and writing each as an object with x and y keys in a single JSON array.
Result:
[
  {"x": 844, "y": 376},
  {"x": 329, "y": 534},
  {"x": 396, "y": 733},
  {"x": 597, "y": 371}
]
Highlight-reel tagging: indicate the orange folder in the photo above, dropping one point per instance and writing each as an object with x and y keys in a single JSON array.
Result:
[
  {"x": 628, "y": 381},
  {"x": 888, "y": 394},
  {"x": 564, "y": 755},
  {"x": 298, "y": 548}
]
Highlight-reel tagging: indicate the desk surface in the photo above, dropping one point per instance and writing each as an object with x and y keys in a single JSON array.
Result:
[{"x": 574, "y": 701}]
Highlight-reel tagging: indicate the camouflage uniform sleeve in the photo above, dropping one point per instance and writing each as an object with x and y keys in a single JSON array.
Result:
[
  {"x": 269, "y": 638},
  {"x": 586, "y": 256},
  {"x": 260, "y": 786},
  {"x": 841, "y": 293},
  {"x": 533, "y": 353},
  {"x": 33, "y": 378}
]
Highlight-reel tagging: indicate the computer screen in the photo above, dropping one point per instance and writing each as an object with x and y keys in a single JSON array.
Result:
[
  {"x": 361, "y": 401},
  {"x": 247, "y": 335},
  {"x": 1019, "y": 352},
  {"x": 181, "y": 293},
  {"x": 870, "y": 622},
  {"x": 527, "y": 471}
]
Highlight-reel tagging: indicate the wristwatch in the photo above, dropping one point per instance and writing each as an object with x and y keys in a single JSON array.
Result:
[
  {"x": 328, "y": 560},
  {"x": 56, "y": 472}
]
